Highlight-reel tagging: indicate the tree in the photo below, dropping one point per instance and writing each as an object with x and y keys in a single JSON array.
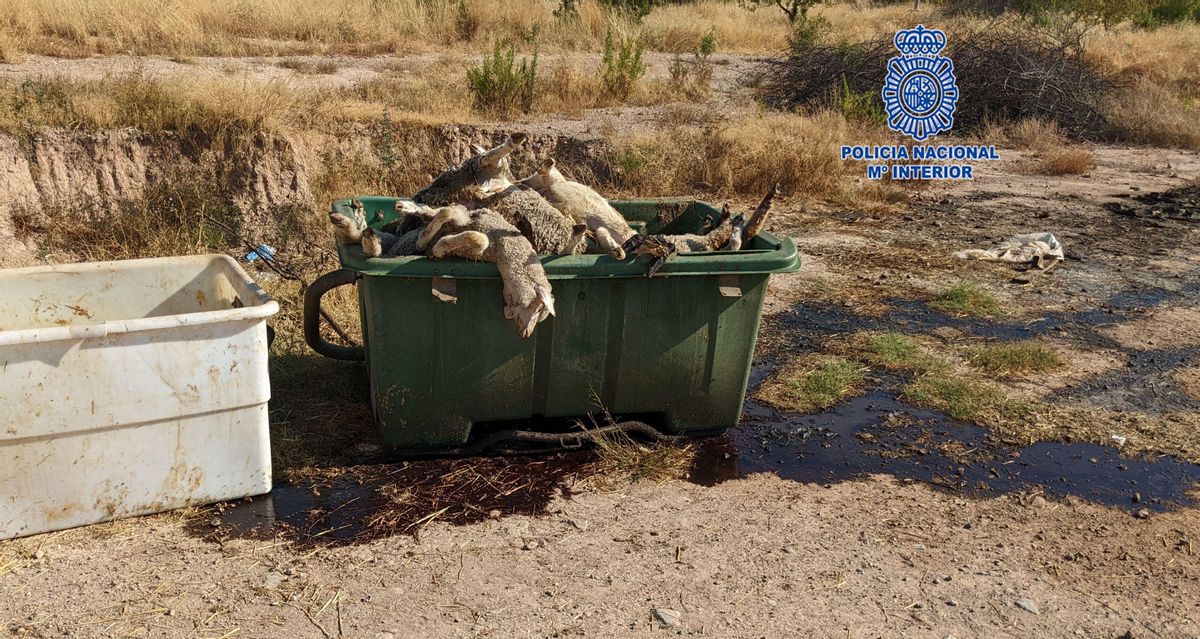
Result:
[{"x": 793, "y": 9}]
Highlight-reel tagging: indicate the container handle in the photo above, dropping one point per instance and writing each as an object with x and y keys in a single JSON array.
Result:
[{"x": 312, "y": 316}]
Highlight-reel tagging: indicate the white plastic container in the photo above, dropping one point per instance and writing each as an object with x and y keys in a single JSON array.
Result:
[{"x": 129, "y": 388}]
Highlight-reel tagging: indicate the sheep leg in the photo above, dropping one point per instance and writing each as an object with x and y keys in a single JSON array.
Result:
[
  {"x": 493, "y": 157},
  {"x": 608, "y": 244},
  {"x": 344, "y": 229},
  {"x": 710, "y": 224},
  {"x": 759, "y": 219},
  {"x": 735, "y": 238},
  {"x": 578, "y": 242},
  {"x": 634, "y": 243},
  {"x": 453, "y": 215},
  {"x": 360, "y": 214},
  {"x": 468, "y": 245}
]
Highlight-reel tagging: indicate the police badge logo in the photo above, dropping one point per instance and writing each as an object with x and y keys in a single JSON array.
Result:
[{"x": 920, "y": 92}]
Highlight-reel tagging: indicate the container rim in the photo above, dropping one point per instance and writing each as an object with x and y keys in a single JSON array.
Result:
[
  {"x": 779, "y": 256},
  {"x": 257, "y": 304}
]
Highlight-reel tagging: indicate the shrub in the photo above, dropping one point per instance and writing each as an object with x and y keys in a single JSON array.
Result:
[
  {"x": 864, "y": 106},
  {"x": 636, "y": 9},
  {"x": 795, "y": 10},
  {"x": 500, "y": 85},
  {"x": 383, "y": 141},
  {"x": 808, "y": 31},
  {"x": 694, "y": 78},
  {"x": 1168, "y": 12},
  {"x": 466, "y": 23},
  {"x": 1007, "y": 70},
  {"x": 621, "y": 66}
]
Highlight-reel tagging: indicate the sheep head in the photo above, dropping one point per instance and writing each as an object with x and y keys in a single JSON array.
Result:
[
  {"x": 545, "y": 177},
  {"x": 527, "y": 317}
]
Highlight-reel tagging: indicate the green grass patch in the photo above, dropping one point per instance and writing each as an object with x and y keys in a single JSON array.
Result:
[
  {"x": 966, "y": 399},
  {"x": 815, "y": 389},
  {"x": 1006, "y": 359},
  {"x": 966, "y": 298},
  {"x": 900, "y": 351}
]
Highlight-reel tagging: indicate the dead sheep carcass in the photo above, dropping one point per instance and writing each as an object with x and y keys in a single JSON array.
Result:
[
  {"x": 454, "y": 231},
  {"x": 584, "y": 206},
  {"x": 396, "y": 239},
  {"x": 348, "y": 229},
  {"x": 485, "y": 181},
  {"x": 482, "y": 234},
  {"x": 729, "y": 233}
]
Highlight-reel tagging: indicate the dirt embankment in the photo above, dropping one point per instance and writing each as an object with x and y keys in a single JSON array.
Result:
[{"x": 55, "y": 173}]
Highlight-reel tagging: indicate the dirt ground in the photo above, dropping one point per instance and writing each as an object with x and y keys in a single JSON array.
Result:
[
  {"x": 757, "y": 557},
  {"x": 765, "y": 552}
]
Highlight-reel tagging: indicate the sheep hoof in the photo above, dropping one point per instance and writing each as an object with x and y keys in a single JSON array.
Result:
[
  {"x": 634, "y": 243},
  {"x": 372, "y": 246}
]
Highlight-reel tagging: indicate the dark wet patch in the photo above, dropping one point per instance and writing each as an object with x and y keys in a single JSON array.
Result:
[
  {"x": 1182, "y": 203},
  {"x": 360, "y": 503},
  {"x": 877, "y": 433},
  {"x": 1145, "y": 384},
  {"x": 809, "y": 322}
]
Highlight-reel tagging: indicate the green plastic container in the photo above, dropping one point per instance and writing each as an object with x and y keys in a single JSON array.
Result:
[{"x": 442, "y": 358}]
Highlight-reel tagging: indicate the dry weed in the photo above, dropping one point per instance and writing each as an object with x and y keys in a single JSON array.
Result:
[
  {"x": 1066, "y": 161},
  {"x": 623, "y": 459},
  {"x": 1166, "y": 55},
  {"x": 1030, "y": 134},
  {"x": 11, "y": 51},
  {"x": 746, "y": 156},
  {"x": 1152, "y": 113},
  {"x": 308, "y": 66},
  {"x": 678, "y": 28}
]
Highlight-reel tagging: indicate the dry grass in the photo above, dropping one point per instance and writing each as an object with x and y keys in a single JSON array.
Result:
[
  {"x": 436, "y": 94},
  {"x": 1166, "y": 55},
  {"x": 151, "y": 104},
  {"x": 1066, "y": 161},
  {"x": 566, "y": 88},
  {"x": 71, "y": 28},
  {"x": 1152, "y": 113},
  {"x": 362, "y": 27},
  {"x": 1030, "y": 134},
  {"x": 623, "y": 459},
  {"x": 1159, "y": 102},
  {"x": 678, "y": 28},
  {"x": 747, "y": 155},
  {"x": 854, "y": 23},
  {"x": 308, "y": 66},
  {"x": 11, "y": 50},
  {"x": 283, "y": 27},
  {"x": 177, "y": 216}
]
